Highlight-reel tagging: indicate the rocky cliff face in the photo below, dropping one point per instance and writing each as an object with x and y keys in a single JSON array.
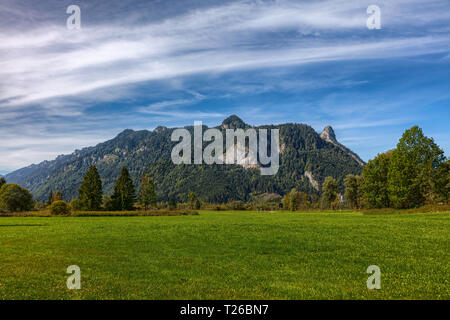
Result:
[
  {"x": 329, "y": 136},
  {"x": 233, "y": 122}
]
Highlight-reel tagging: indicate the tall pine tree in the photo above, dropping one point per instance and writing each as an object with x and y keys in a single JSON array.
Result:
[
  {"x": 124, "y": 195},
  {"x": 147, "y": 195},
  {"x": 50, "y": 198},
  {"x": 90, "y": 192},
  {"x": 57, "y": 196}
]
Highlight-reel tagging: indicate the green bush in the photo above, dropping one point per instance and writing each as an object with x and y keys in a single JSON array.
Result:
[
  {"x": 108, "y": 203},
  {"x": 59, "y": 208},
  {"x": 236, "y": 205},
  {"x": 38, "y": 206},
  {"x": 146, "y": 213},
  {"x": 14, "y": 198}
]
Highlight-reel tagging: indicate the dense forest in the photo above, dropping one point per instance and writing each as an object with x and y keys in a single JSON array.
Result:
[{"x": 306, "y": 159}]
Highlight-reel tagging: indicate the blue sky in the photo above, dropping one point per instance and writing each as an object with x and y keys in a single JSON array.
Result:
[{"x": 140, "y": 64}]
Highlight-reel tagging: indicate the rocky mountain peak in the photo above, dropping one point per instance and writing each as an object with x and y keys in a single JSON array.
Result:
[
  {"x": 141, "y": 151},
  {"x": 126, "y": 132},
  {"x": 160, "y": 129},
  {"x": 328, "y": 134},
  {"x": 233, "y": 122}
]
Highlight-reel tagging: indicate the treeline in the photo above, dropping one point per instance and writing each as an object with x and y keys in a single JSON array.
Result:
[
  {"x": 414, "y": 174},
  {"x": 124, "y": 197},
  {"x": 302, "y": 151}
]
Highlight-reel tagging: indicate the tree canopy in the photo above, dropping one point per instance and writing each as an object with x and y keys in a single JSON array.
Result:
[
  {"x": 375, "y": 181},
  {"x": 411, "y": 169},
  {"x": 353, "y": 192},
  {"x": 14, "y": 198},
  {"x": 330, "y": 191}
]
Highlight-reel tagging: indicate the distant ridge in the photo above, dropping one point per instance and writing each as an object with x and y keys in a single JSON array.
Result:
[
  {"x": 233, "y": 122},
  {"x": 306, "y": 158}
]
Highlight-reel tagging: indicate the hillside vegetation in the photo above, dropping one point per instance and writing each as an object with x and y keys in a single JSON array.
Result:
[{"x": 306, "y": 159}]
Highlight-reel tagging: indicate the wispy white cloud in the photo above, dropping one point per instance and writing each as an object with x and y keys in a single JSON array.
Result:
[
  {"x": 49, "y": 71},
  {"x": 22, "y": 149},
  {"x": 53, "y": 62}
]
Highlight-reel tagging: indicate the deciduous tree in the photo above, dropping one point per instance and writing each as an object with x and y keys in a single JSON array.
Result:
[
  {"x": 57, "y": 196},
  {"x": 441, "y": 182},
  {"x": 194, "y": 202},
  {"x": 14, "y": 198},
  {"x": 411, "y": 169},
  {"x": 353, "y": 192},
  {"x": 147, "y": 194},
  {"x": 293, "y": 200},
  {"x": 330, "y": 191},
  {"x": 375, "y": 181}
]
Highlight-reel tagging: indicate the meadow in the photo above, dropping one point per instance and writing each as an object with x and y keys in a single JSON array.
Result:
[{"x": 227, "y": 255}]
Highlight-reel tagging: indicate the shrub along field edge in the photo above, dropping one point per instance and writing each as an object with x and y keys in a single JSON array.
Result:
[
  {"x": 154, "y": 213},
  {"x": 186, "y": 212}
]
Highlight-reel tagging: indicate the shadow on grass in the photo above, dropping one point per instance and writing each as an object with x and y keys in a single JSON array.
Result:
[{"x": 23, "y": 225}]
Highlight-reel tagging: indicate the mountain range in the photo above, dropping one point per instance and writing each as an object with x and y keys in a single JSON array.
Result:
[{"x": 306, "y": 158}]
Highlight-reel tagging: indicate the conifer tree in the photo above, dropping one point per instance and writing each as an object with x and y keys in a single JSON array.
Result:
[
  {"x": 57, "y": 196},
  {"x": 90, "y": 192},
  {"x": 147, "y": 194},
  {"x": 124, "y": 195},
  {"x": 50, "y": 198},
  {"x": 172, "y": 204}
]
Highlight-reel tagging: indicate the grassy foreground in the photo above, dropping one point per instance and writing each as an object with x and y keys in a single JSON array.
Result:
[{"x": 227, "y": 255}]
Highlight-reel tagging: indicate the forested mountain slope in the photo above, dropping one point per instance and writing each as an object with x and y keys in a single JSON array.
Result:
[{"x": 306, "y": 158}]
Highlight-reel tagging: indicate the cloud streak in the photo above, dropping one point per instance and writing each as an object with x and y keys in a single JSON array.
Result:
[
  {"x": 52, "y": 62},
  {"x": 56, "y": 77}
]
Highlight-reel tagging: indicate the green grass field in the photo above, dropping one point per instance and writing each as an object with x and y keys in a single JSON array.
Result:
[{"x": 227, "y": 255}]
